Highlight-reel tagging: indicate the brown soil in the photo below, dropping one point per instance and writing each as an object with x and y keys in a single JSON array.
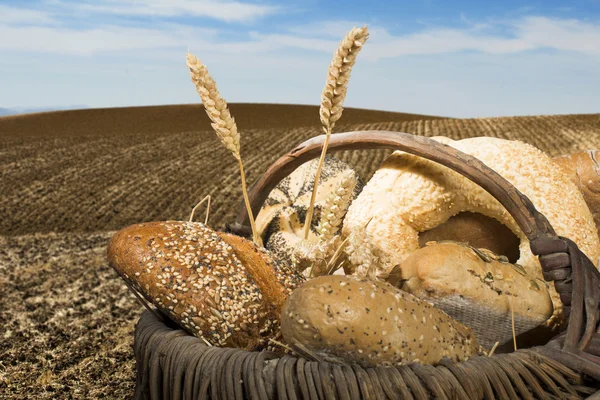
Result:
[
  {"x": 66, "y": 319},
  {"x": 70, "y": 178}
]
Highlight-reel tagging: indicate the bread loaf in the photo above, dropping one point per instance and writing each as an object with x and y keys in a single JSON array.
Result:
[
  {"x": 370, "y": 323},
  {"x": 216, "y": 286},
  {"x": 478, "y": 231},
  {"x": 583, "y": 170},
  {"x": 477, "y": 288}
]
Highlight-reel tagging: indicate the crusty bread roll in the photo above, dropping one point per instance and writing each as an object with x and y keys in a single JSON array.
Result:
[
  {"x": 477, "y": 288},
  {"x": 583, "y": 170},
  {"x": 216, "y": 286},
  {"x": 370, "y": 323},
  {"x": 410, "y": 194}
]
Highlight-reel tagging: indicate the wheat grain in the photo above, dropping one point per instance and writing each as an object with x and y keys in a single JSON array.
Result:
[
  {"x": 336, "y": 205},
  {"x": 215, "y": 106},
  {"x": 222, "y": 122},
  {"x": 332, "y": 99},
  {"x": 336, "y": 84},
  {"x": 334, "y": 258}
]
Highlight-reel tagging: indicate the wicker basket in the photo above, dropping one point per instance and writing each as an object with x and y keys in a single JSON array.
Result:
[{"x": 171, "y": 364}]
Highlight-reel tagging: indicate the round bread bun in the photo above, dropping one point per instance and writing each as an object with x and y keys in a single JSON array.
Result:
[
  {"x": 369, "y": 322},
  {"x": 478, "y": 231},
  {"x": 217, "y": 286},
  {"x": 410, "y": 194}
]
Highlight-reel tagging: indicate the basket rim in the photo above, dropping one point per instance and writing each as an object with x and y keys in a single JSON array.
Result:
[{"x": 171, "y": 362}]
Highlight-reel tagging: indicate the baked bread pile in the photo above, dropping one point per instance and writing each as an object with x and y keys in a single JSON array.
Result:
[{"x": 231, "y": 292}]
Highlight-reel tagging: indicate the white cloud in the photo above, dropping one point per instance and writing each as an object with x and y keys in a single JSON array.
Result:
[
  {"x": 328, "y": 29},
  {"x": 490, "y": 37},
  {"x": 223, "y": 10},
  {"x": 14, "y": 15},
  {"x": 97, "y": 40},
  {"x": 560, "y": 34},
  {"x": 528, "y": 33}
]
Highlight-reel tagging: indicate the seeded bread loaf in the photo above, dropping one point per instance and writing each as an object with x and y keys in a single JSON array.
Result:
[
  {"x": 216, "y": 286},
  {"x": 477, "y": 288},
  {"x": 370, "y": 323}
]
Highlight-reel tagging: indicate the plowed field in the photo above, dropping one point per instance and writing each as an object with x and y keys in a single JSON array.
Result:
[
  {"x": 69, "y": 179},
  {"x": 89, "y": 182}
]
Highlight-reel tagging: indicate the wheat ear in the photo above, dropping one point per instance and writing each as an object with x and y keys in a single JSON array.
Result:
[
  {"x": 335, "y": 208},
  {"x": 332, "y": 98},
  {"x": 222, "y": 122}
]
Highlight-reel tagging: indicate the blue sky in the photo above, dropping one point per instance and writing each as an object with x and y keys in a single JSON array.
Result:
[{"x": 440, "y": 57}]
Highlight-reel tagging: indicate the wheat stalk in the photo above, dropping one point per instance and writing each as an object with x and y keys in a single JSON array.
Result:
[
  {"x": 332, "y": 98},
  {"x": 207, "y": 197},
  {"x": 335, "y": 208},
  {"x": 222, "y": 122}
]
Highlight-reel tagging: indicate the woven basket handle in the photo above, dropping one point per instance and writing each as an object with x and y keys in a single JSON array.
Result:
[
  {"x": 533, "y": 224},
  {"x": 574, "y": 275}
]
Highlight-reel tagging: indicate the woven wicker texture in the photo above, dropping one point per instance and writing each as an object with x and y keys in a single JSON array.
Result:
[{"x": 177, "y": 366}]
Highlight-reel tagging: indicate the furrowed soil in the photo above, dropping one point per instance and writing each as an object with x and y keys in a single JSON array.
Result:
[{"x": 70, "y": 179}]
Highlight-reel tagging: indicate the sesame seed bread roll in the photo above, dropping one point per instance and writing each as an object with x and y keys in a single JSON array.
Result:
[
  {"x": 370, "y": 323},
  {"x": 214, "y": 285},
  {"x": 477, "y": 288}
]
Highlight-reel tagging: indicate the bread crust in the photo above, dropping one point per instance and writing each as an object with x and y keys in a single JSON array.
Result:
[
  {"x": 370, "y": 323},
  {"x": 583, "y": 170},
  {"x": 476, "y": 287},
  {"x": 191, "y": 274}
]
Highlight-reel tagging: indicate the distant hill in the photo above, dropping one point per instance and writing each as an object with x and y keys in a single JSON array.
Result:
[
  {"x": 102, "y": 169},
  {"x": 19, "y": 110},
  {"x": 180, "y": 118},
  {"x": 6, "y": 111}
]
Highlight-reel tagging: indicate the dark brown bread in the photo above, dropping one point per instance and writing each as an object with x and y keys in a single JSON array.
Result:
[{"x": 216, "y": 286}]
